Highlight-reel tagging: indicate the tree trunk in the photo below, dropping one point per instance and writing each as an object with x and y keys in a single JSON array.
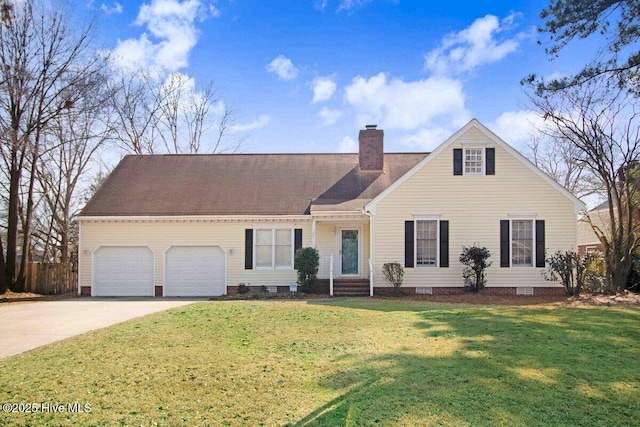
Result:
[
  {"x": 12, "y": 220},
  {"x": 3, "y": 279},
  {"x": 26, "y": 238}
]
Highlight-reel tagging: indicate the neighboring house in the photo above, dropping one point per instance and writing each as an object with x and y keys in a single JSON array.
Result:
[
  {"x": 182, "y": 225},
  {"x": 588, "y": 241}
]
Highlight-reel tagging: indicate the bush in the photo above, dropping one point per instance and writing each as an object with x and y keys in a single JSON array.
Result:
[
  {"x": 243, "y": 289},
  {"x": 633, "y": 279},
  {"x": 474, "y": 259},
  {"x": 394, "y": 273},
  {"x": 576, "y": 273},
  {"x": 306, "y": 262}
]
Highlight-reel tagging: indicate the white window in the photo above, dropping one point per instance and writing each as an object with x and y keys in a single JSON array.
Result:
[
  {"x": 522, "y": 243},
  {"x": 473, "y": 161},
  {"x": 274, "y": 248},
  {"x": 427, "y": 243}
]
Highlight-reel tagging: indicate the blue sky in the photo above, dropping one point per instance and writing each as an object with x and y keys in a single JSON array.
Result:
[{"x": 306, "y": 75}]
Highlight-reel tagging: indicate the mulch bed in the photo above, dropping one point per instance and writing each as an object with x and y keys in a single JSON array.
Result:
[
  {"x": 626, "y": 298},
  {"x": 10, "y": 296}
]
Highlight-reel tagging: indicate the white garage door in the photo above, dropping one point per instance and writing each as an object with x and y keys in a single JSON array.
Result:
[
  {"x": 194, "y": 271},
  {"x": 123, "y": 271}
]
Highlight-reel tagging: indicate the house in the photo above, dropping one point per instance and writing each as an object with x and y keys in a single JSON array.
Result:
[
  {"x": 588, "y": 241},
  {"x": 187, "y": 225}
]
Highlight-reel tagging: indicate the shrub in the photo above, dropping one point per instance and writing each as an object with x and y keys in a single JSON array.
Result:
[
  {"x": 475, "y": 259},
  {"x": 306, "y": 262},
  {"x": 633, "y": 279},
  {"x": 243, "y": 289},
  {"x": 394, "y": 273},
  {"x": 576, "y": 273}
]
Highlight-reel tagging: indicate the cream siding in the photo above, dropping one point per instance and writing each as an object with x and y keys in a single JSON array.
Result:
[
  {"x": 474, "y": 206},
  {"x": 160, "y": 235}
]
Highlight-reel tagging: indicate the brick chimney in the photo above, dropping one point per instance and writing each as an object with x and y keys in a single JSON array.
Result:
[{"x": 371, "y": 142}]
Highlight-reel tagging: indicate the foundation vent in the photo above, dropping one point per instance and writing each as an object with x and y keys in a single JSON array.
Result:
[
  {"x": 424, "y": 290},
  {"x": 528, "y": 291}
]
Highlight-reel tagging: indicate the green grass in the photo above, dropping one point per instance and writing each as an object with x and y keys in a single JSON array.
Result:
[{"x": 341, "y": 362}]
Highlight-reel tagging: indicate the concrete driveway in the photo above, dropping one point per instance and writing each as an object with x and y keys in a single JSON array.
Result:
[{"x": 28, "y": 325}]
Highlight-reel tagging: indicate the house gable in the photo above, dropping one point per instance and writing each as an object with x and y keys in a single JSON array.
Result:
[{"x": 475, "y": 134}]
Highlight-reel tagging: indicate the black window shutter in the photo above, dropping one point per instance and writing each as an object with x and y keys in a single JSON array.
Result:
[
  {"x": 540, "y": 243},
  {"x": 457, "y": 161},
  {"x": 248, "y": 249},
  {"x": 505, "y": 250},
  {"x": 444, "y": 243},
  {"x": 490, "y": 168},
  {"x": 408, "y": 244},
  {"x": 297, "y": 239}
]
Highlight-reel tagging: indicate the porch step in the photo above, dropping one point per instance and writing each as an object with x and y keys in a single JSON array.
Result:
[{"x": 351, "y": 287}]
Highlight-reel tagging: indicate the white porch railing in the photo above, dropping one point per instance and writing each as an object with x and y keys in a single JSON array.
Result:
[{"x": 325, "y": 270}]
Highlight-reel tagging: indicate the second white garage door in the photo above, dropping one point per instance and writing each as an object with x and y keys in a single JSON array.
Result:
[{"x": 192, "y": 271}]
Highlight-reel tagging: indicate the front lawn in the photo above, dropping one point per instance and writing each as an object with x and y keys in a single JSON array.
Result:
[{"x": 339, "y": 362}]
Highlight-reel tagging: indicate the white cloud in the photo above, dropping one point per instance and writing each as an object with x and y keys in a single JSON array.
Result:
[
  {"x": 394, "y": 103},
  {"x": 329, "y": 116},
  {"x": 429, "y": 138},
  {"x": 110, "y": 10},
  {"x": 350, "y": 4},
  {"x": 283, "y": 67},
  {"x": 171, "y": 36},
  {"x": 517, "y": 127},
  {"x": 477, "y": 45},
  {"x": 323, "y": 88},
  {"x": 258, "y": 123},
  {"x": 214, "y": 11},
  {"x": 348, "y": 145},
  {"x": 320, "y": 4}
]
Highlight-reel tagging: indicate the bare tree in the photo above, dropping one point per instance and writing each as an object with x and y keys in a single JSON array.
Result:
[
  {"x": 170, "y": 115},
  {"x": 72, "y": 141},
  {"x": 560, "y": 159},
  {"x": 44, "y": 67},
  {"x": 135, "y": 110},
  {"x": 602, "y": 124}
]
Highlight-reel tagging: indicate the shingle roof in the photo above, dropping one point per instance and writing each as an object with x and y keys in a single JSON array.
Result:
[{"x": 242, "y": 184}]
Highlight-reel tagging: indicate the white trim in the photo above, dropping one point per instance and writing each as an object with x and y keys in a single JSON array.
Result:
[
  {"x": 372, "y": 228},
  {"x": 273, "y": 248},
  {"x": 533, "y": 243},
  {"x": 274, "y": 226},
  {"x": 198, "y": 218},
  {"x": 483, "y": 160},
  {"x": 358, "y": 228},
  {"x": 80, "y": 258},
  {"x": 415, "y": 243},
  {"x": 522, "y": 215},
  {"x": 474, "y": 123},
  {"x": 313, "y": 234},
  {"x": 336, "y": 213},
  {"x": 426, "y": 217},
  {"x": 473, "y": 144}
]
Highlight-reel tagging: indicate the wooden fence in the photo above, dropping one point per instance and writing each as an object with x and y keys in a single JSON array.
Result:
[{"x": 50, "y": 278}]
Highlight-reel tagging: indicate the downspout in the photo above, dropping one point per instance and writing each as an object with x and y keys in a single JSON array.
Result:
[
  {"x": 79, "y": 257},
  {"x": 371, "y": 248}
]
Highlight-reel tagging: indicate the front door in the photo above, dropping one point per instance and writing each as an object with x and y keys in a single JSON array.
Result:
[{"x": 349, "y": 247}]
